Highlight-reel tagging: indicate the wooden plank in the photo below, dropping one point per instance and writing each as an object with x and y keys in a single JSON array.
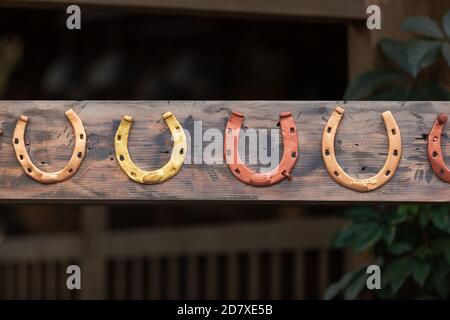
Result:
[
  {"x": 361, "y": 149},
  {"x": 346, "y": 9}
]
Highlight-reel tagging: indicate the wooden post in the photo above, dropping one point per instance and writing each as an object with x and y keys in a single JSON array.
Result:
[{"x": 94, "y": 222}]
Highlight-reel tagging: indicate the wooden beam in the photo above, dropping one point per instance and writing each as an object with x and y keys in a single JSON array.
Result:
[
  {"x": 361, "y": 147},
  {"x": 343, "y": 9}
]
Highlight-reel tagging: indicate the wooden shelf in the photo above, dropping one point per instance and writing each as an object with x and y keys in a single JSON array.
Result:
[
  {"x": 342, "y": 9},
  {"x": 361, "y": 147}
]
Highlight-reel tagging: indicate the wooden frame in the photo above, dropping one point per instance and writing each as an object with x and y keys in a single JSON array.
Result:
[
  {"x": 40, "y": 260},
  {"x": 361, "y": 145}
]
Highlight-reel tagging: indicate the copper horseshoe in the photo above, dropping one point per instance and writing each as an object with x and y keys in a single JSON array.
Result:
[
  {"x": 246, "y": 175},
  {"x": 435, "y": 155},
  {"x": 340, "y": 176},
  {"x": 50, "y": 177}
]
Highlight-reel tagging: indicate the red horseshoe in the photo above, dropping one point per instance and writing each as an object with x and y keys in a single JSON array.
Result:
[
  {"x": 435, "y": 155},
  {"x": 241, "y": 171}
]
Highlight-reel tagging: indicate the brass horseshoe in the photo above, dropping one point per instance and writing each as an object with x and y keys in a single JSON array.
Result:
[
  {"x": 340, "y": 176},
  {"x": 50, "y": 177},
  {"x": 171, "y": 168},
  {"x": 435, "y": 155},
  {"x": 241, "y": 171}
]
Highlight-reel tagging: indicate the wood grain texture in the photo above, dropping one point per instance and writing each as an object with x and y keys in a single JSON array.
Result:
[
  {"x": 345, "y": 9},
  {"x": 361, "y": 149}
]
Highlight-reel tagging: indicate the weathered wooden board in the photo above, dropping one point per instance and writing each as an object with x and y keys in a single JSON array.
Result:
[
  {"x": 346, "y": 9},
  {"x": 361, "y": 147}
]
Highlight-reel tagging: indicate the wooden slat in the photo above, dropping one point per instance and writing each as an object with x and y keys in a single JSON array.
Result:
[
  {"x": 192, "y": 277},
  {"x": 232, "y": 276},
  {"x": 155, "y": 278},
  {"x": 173, "y": 276},
  {"x": 253, "y": 273},
  {"x": 299, "y": 276},
  {"x": 22, "y": 280},
  {"x": 361, "y": 147},
  {"x": 211, "y": 277},
  {"x": 137, "y": 279},
  {"x": 346, "y": 9},
  {"x": 275, "y": 276}
]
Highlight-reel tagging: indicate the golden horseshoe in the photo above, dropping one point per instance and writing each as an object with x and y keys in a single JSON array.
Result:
[
  {"x": 340, "y": 176},
  {"x": 171, "y": 168},
  {"x": 50, "y": 177}
]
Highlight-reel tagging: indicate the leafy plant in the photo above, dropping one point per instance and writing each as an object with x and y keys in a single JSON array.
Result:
[
  {"x": 411, "y": 244},
  {"x": 405, "y": 76}
]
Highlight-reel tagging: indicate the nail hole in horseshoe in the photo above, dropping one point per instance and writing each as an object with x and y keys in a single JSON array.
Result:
[
  {"x": 393, "y": 132},
  {"x": 395, "y": 152},
  {"x": 21, "y": 157},
  {"x": 327, "y": 152},
  {"x": 80, "y": 154},
  {"x": 388, "y": 173},
  {"x": 119, "y": 137},
  {"x": 29, "y": 170},
  {"x": 121, "y": 157},
  {"x": 435, "y": 154},
  {"x": 81, "y": 136},
  {"x": 181, "y": 150},
  {"x": 177, "y": 127},
  {"x": 133, "y": 174},
  {"x": 329, "y": 129},
  {"x": 16, "y": 140},
  {"x": 292, "y": 130},
  {"x": 237, "y": 171},
  {"x": 70, "y": 170},
  {"x": 441, "y": 171},
  {"x": 293, "y": 154},
  {"x": 336, "y": 174}
]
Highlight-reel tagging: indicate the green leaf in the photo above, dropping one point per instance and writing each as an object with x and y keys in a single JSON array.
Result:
[
  {"x": 397, "y": 52},
  {"x": 370, "y": 234},
  {"x": 397, "y": 93},
  {"x": 423, "y": 219},
  {"x": 440, "y": 217},
  {"x": 422, "y": 54},
  {"x": 368, "y": 82},
  {"x": 362, "y": 214},
  {"x": 424, "y": 26},
  {"x": 422, "y": 252},
  {"x": 396, "y": 273},
  {"x": 446, "y": 52},
  {"x": 446, "y": 23},
  {"x": 389, "y": 234},
  {"x": 337, "y": 287},
  {"x": 420, "y": 271},
  {"x": 356, "y": 285},
  {"x": 400, "y": 248}
]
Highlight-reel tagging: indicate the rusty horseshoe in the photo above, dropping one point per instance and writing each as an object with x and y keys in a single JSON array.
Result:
[
  {"x": 340, "y": 176},
  {"x": 246, "y": 175},
  {"x": 50, "y": 177},
  {"x": 435, "y": 155}
]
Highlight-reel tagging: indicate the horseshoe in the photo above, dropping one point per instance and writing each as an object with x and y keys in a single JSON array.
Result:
[
  {"x": 170, "y": 169},
  {"x": 340, "y": 176},
  {"x": 50, "y": 177},
  {"x": 435, "y": 155},
  {"x": 241, "y": 171}
]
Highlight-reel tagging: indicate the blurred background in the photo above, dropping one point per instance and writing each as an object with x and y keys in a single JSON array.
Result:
[{"x": 284, "y": 50}]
